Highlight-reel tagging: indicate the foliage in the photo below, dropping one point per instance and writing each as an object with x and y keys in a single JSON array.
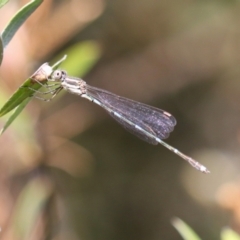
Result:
[
  {"x": 188, "y": 233},
  {"x": 25, "y": 92}
]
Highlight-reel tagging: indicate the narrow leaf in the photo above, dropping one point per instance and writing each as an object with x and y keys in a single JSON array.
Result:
[
  {"x": 27, "y": 89},
  {"x": 31, "y": 203},
  {"x": 17, "y": 111},
  {"x": 3, "y": 2},
  {"x": 229, "y": 234},
  {"x": 1, "y": 50},
  {"x": 23, "y": 95},
  {"x": 16, "y": 22},
  {"x": 184, "y": 230},
  {"x": 20, "y": 95}
]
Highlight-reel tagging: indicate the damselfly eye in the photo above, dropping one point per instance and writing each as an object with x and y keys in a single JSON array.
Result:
[{"x": 57, "y": 75}]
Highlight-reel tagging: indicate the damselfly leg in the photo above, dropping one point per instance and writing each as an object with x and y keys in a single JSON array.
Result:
[
  {"x": 47, "y": 92},
  {"x": 52, "y": 93}
]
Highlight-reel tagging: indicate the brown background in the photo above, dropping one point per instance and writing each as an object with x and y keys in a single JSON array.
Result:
[{"x": 102, "y": 182}]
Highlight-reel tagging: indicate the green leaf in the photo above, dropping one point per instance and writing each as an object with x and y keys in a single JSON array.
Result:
[
  {"x": 17, "y": 111},
  {"x": 229, "y": 234},
  {"x": 32, "y": 203},
  {"x": 18, "y": 20},
  {"x": 1, "y": 50},
  {"x": 22, "y": 96},
  {"x": 3, "y": 2},
  {"x": 184, "y": 230},
  {"x": 27, "y": 89}
]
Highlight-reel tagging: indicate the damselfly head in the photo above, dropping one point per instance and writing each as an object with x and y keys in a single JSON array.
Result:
[{"x": 59, "y": 75}]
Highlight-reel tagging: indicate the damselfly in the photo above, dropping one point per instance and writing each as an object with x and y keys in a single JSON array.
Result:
[{"x": 148, "y": 123}]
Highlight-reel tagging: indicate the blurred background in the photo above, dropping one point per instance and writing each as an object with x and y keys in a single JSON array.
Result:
[{"x": 69, "y": 171}]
